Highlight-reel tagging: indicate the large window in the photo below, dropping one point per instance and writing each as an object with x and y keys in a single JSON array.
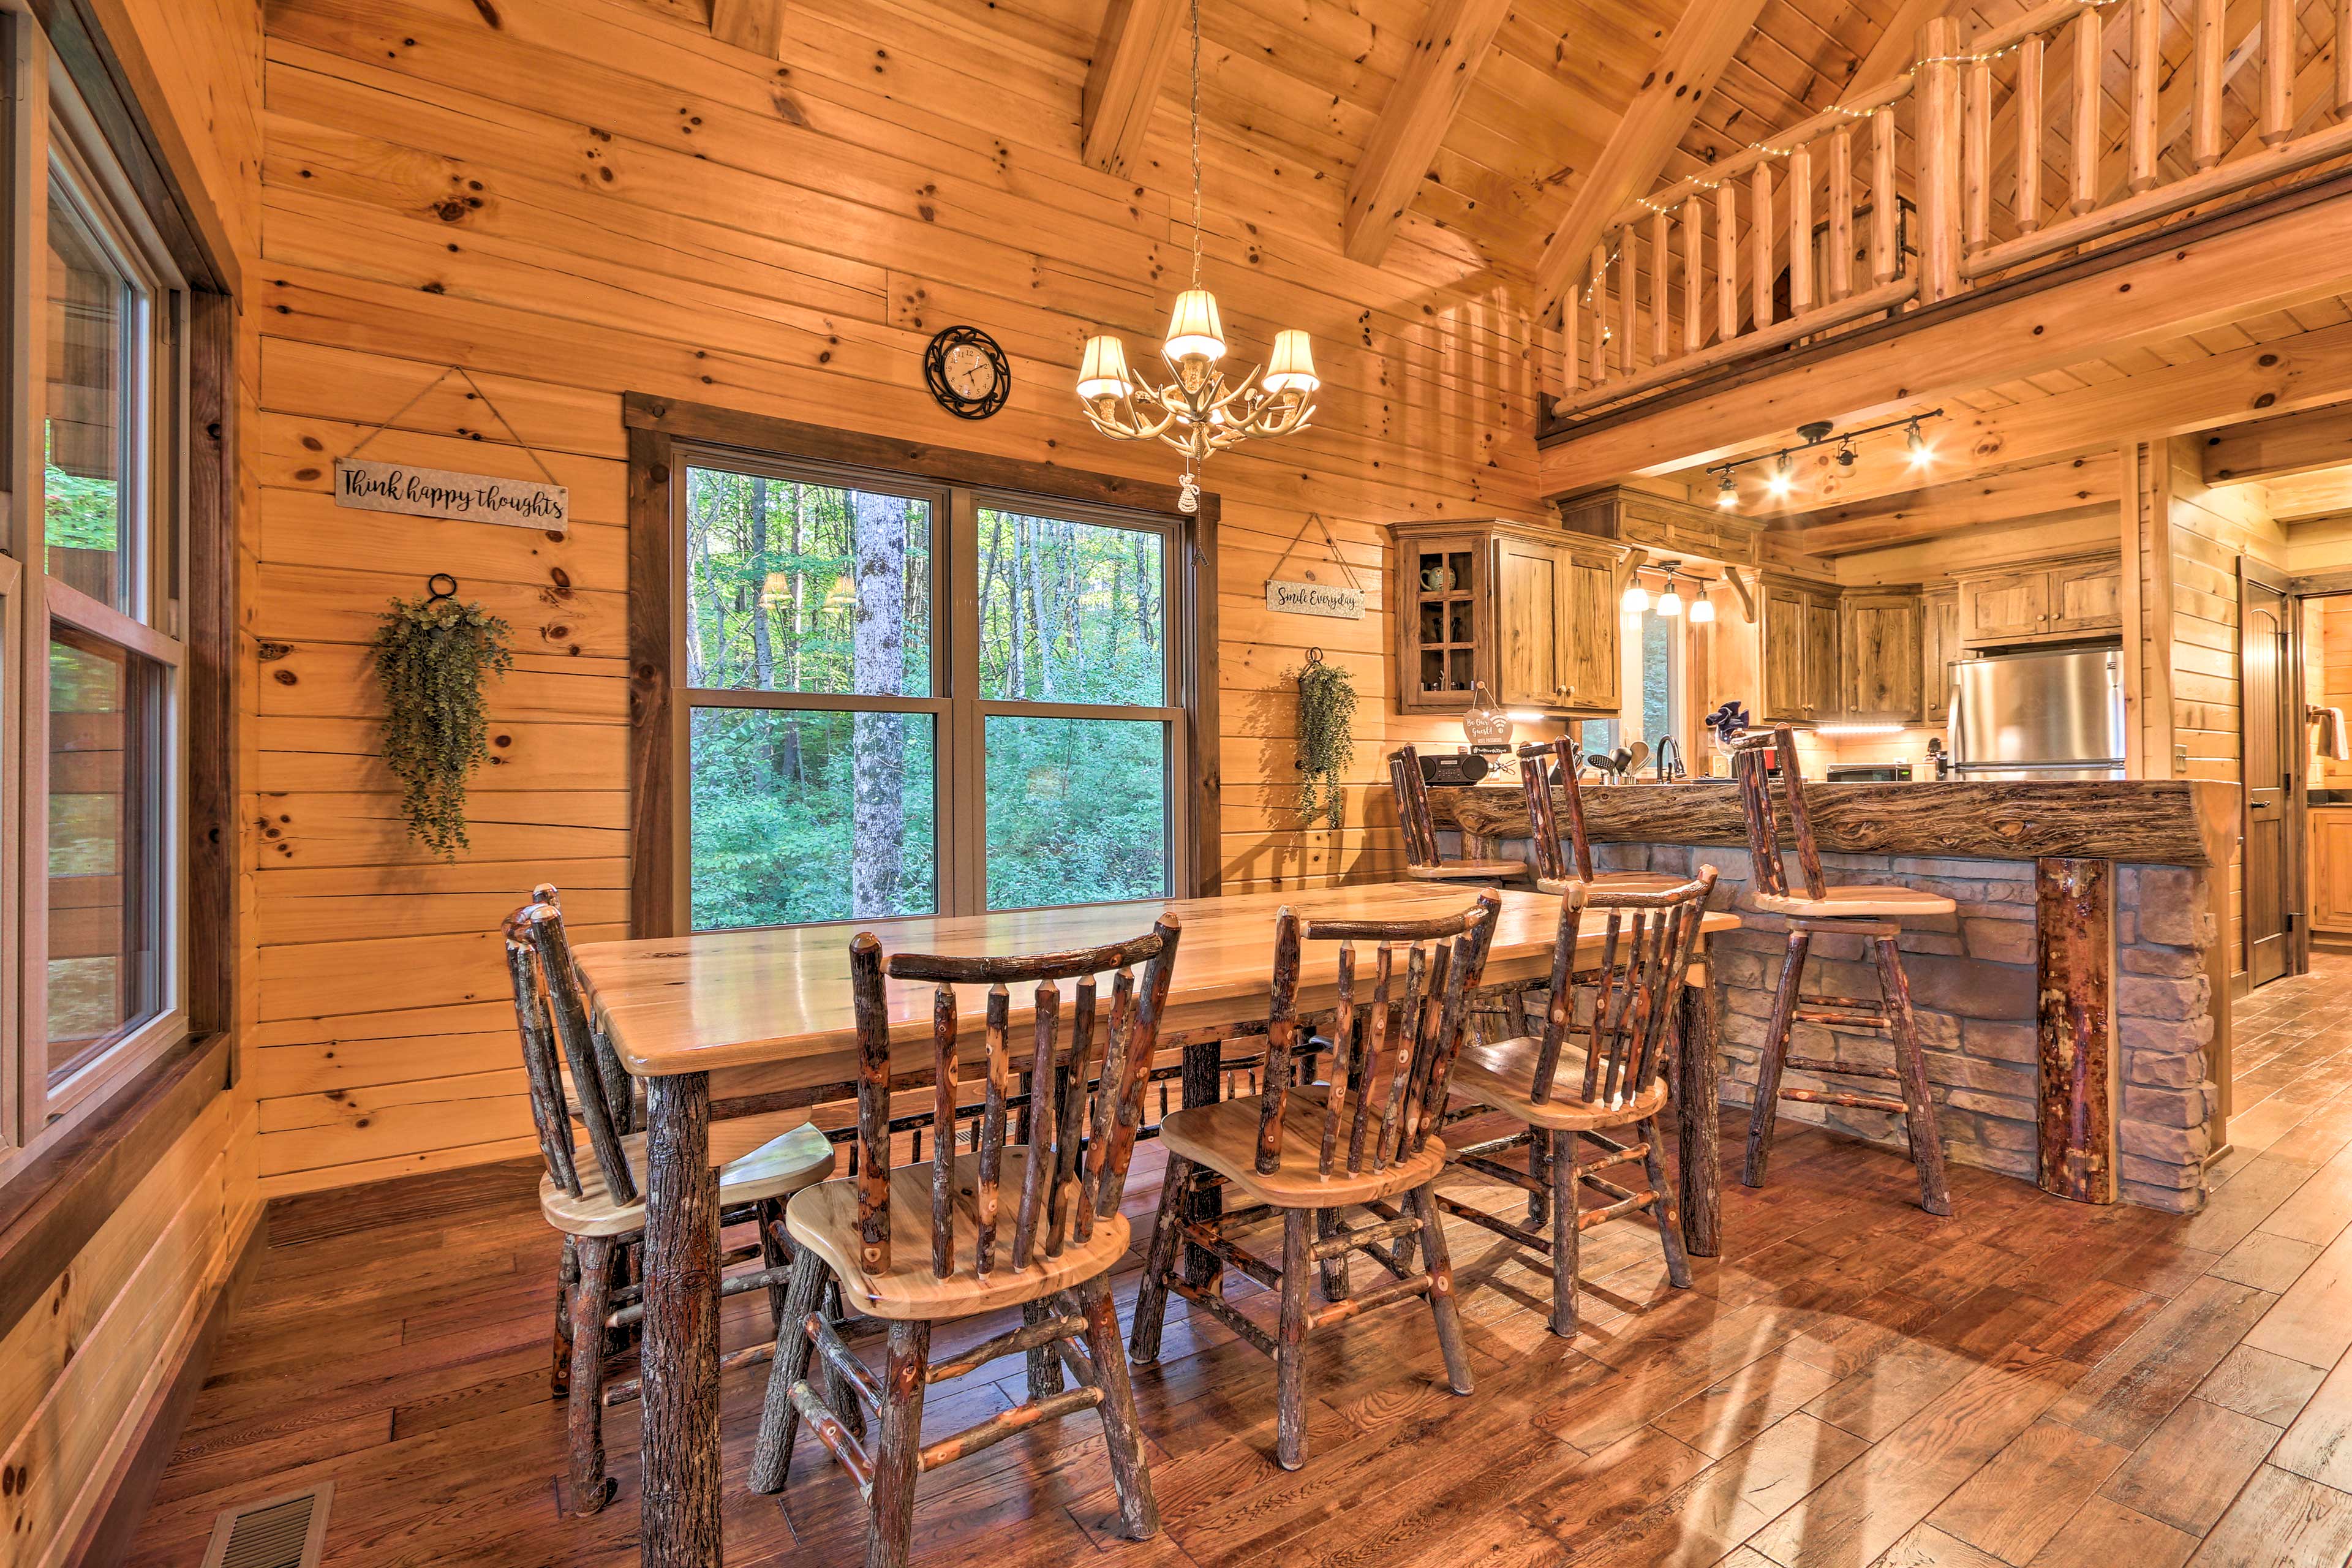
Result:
[
  {"x": 900, "y": 696},
  {"x": 92, "y": 685}
]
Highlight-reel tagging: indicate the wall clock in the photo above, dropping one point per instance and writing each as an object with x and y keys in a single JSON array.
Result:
[{"x": 967, "y": 373}]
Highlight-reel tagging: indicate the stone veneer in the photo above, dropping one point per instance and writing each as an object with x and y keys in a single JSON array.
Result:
[{"x": 1972, "y": 989}]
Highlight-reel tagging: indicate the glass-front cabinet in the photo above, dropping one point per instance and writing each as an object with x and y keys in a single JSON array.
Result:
[{"x": 1528, "y": 610}]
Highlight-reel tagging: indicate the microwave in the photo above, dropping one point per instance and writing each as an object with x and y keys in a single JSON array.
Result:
[{"x": 1870, "y": 773}]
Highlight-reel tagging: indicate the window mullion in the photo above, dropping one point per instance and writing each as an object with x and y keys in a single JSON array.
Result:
[{"x": 963, "y": 763}]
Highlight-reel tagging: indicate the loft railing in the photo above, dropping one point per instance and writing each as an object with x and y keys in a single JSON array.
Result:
[{"x": 1924, "y": 191}]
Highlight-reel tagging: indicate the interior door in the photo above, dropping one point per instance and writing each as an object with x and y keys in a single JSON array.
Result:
[{"x": 2265, "y": 688}]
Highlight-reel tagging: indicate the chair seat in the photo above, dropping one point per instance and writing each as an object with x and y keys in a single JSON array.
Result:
[
  {"x": 1501, "y": 1075},
  {"x": 769, "y": 1156},
  {"x": 1857, "y": 903},
  {"x": 824, "y": 1220},
  {"x": 1614, "y": 882},
  {"x": 1224, "y": 1137},
  {"x": 1468, "y": 870}
]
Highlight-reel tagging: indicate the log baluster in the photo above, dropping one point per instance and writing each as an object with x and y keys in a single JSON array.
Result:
[
  {"x": 1938, "y": 93},
  {"x": 1976, "y": 152},
  {"x": 1629, "y": 246},
  {"x": 2027, "y": 97},
  {"x": 2277, "y": 117},
  {"x": 1800, "y": 231},
  {"x": 1760, "y": 233},
  {"x": 1661, "y": 281},
  {"x": 1600, "y": 301},
  {"x": 2147, "y": 61},
  {"x": 1694, "y": 271},
  {"x": 1726, "y": 261},
  {"x": 1840, "y": 241},
  {"x": 2206, "y": 82},
  {"x": 1883, "y": 261},
  {"x": 2084, "y": 135},
  {"x": 2343, "y": 59}
]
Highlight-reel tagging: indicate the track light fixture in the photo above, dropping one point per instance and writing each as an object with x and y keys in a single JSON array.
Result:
[{"x": 1783, "y": 479}]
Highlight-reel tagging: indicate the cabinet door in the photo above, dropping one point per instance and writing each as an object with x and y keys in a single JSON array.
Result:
[
  {"x": 1531, "y": 597},
  {"x": 1880, "y": 658},
  {"x": 1590, "y": 672},
  {"x": 2087, "y": 597},
  {"x": 1783, "y": 636},
  {"x": 1441, "y": 632},
  {"x": 2331, "y": 869},
  {"x": 1822, "y": 699},
  {"x": 1940, "y": 616},
  {"x": 2008, "y": 605}
]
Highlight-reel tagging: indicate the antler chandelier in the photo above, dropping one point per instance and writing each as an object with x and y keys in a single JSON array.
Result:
[{"x": 1200, "y": 412}]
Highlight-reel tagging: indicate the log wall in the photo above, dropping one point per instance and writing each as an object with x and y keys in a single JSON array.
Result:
[{"x": 577, "y": 198}]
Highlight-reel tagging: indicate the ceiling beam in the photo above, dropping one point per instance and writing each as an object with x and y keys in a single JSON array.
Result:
[
  {"x": 1664, "y": 107},
  {"x": 2275, "y": 449},
  {"x": 2252, "y": 261},
  {"x": 754, "y": 25},
  {"x": 1131, "y": 60},
  {"x": 1455, "y": 36},
  {"x": 2321, "y": 494},
  {"x": 2087, "y": 482}
]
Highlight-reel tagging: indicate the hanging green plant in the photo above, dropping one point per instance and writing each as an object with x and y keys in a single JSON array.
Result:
[
  {"x": 1327, "y": 741},
  {"x": 432, "y": 656}
]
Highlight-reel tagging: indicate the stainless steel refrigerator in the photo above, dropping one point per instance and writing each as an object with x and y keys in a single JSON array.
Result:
[{"x": 2046, "y": 714}]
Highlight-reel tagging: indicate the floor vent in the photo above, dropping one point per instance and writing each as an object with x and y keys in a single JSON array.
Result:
[{"x": 282, "y": 1532}]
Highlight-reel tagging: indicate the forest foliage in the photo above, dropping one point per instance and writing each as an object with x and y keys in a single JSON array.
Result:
[{"x": 804, "y": 814}]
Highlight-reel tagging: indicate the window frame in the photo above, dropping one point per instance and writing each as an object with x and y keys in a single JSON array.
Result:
[
  {"x": 668, "y": 438},
  {"x": 53, "y": 134}
]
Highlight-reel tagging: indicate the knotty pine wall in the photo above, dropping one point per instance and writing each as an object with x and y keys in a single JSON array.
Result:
[
  {"x": 576, "y": 198},
  {"x": 80, "y": 1367}
]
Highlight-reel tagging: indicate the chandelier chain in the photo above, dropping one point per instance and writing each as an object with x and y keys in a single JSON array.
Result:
[{"x": 1196, "y": 144}]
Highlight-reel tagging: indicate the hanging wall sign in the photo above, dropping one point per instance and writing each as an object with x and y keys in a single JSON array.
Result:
[
  {"x": 412, "y": 491},
  {"x": 1315, "y": 599}
]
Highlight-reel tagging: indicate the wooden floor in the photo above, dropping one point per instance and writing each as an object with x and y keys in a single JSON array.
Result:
[{"x": 2032, "y": 1382}]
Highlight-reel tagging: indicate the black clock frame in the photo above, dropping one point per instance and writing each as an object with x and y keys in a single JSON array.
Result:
[{"x": 935, "y": 372}]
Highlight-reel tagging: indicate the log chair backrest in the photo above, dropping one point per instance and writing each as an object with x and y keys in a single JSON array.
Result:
[
  {"x": 1536, "y": 760},
  {"x": 550, "y": 1012},
  {"x": 1646, "y": 956},
  {"x": 1413, "y": 808},
  {"x": 1392, "y": 1051},
  {"x": 1107, "y": 1059},
  {"x": 1753, "y": 754}
]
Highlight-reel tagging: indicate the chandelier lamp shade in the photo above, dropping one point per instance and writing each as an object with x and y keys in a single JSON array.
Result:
[{"x": 1198, "y": 411}]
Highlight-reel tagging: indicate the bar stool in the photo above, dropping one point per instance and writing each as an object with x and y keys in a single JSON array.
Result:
[
  {"x": 1422, "y": 860},
  {"x": 1615, "y": 1080},
  {"x": 1556, "y": 872},
  {"x": 1309, "y": 1152},
  {"x": 1873, "y": 912}
]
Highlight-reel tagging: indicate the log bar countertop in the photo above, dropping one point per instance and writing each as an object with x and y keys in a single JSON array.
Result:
[{"x": 2157, "y": 822}]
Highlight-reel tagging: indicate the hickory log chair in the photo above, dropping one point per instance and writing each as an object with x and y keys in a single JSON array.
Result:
[
  {"x": 1364, "y": 1140},
  {"x": 1873, "y": 913},
  {"x": 597, "y": 1203},
  {"x": 1424, "y": 862},
  {"x": 1605, "y": 1075},
  {"x": 920, "y": 1244}
]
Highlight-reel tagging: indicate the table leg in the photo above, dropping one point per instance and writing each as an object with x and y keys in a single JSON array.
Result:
[
  {"x": 1203, "y": 1084},
  {"x": 1697, "y": 1110},
  {"x": 678, "y": 1445}
]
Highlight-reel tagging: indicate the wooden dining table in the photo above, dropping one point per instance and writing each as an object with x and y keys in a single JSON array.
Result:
[{"x": 730, "y": 1023}]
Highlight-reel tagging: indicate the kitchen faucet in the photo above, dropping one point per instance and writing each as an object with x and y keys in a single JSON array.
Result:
[{"x": 1669, "y": 773}]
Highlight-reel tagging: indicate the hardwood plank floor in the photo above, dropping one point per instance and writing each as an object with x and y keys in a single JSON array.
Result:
[{"x": 1852, "y": 1385}]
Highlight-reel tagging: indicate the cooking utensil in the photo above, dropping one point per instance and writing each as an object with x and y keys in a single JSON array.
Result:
[
  {"x": 1635, "y": 756},
  {"x": 1622, "y": 762},
  {"x": 1601, "y": 764}
]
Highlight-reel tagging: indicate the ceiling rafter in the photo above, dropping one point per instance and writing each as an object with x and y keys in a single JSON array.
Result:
[
  {"x": 1131, "y": 61},
  {"x": 1654, "y": 123},
  {"x": 754, "y": 25},
  {"x": 1456, "y": 37}
]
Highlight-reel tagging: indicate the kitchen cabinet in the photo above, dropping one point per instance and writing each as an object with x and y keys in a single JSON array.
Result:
[
  {"x": 1528, "y": 610},
  {"x": 2044, "y": 602},
  {"x": 1798, "y": 627},
  {"x": 1939, "y": 650},
  {"x": 1880, "y": 655}
]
